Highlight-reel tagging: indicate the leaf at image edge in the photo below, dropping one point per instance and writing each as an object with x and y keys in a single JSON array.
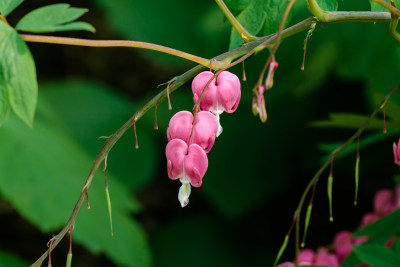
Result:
[
  {"x": 7, "y": 6},
  {"x": 18, "y": 72},
  {"x": 51, "y": 18},
  {"x": 377, "y": 255}
]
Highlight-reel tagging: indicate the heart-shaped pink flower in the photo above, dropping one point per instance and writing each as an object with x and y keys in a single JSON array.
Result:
[
  {"x": 223, "y": 93},
  {"x": 186, "y": 163},
  {"x": 204, "y": 132}
]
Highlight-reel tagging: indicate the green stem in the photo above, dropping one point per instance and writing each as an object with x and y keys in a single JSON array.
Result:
[
  {"x": 393, "y": 27},
  {"x": 386, "y": 5},
  {"x": 243, "y": 33},
  {"x": 328, "y": 162},
  {"x": 119, "y": 43},
  {"x": 244, "y": 50}
]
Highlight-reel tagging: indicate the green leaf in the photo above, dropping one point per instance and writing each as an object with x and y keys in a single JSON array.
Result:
[
  {"x": 347, "y": 121},
  {"x": 7, "y": 259},
  {"x": 90, "y": 110},
  {"x": 328, "y": 5},
  {"x": 382, "y": 230},
  {"x": 53, "y": 174},
  {"x": 256, "y": 15},
  {"x": 377, "y": 255},
  {"x": 18, "y": 76},
  {"x": 378, "y": 8},
  {"x": 53, "y": 18},
  {"x": 6, "y": 6},
  {"x": 351, "y": 260}
]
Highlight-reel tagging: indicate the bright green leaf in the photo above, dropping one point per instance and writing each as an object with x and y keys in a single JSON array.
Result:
[
  {"x": 378, "y": 8},
  {"x": 4, "y": 104},
  {"x": 91, "y": 110},
  {"x": 382, "y": 230},
  {"x": 18, "y": 76},
  {"x": 328, "y": 5},
  {"x": 6, "y": 6},
  {"x": 351, "y": 260},
  {"x": 377, "y": 255},
  {"x": 352, "y": 121},
  {"x": 256, "y": 15},
  {"x": 53, "y": 174},
  {"x": 52, "y": 18},
  {"x": 7, "y": 259}
]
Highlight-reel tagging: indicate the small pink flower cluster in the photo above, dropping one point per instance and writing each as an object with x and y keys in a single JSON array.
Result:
[
  {"x": 385, "y": 202},
  {"x": 190, "y": 137}
]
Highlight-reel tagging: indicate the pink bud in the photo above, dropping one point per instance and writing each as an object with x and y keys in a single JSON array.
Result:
[
  {"x": 306, "y": 257},
  {"x": 269, "y": 81},
  {"x": 204, "y": 132},
  {"x": 396, "y": 152},
  {"x": 189, "y": 164},
  {"x": 223, "y": 93},
  {"x": 383, "y": 202},
  {"x": 369, "y": 218},
  {"x": 262, "y": 112},
  {"x": 324, "y": 258},
  {"x": 286, "y": 264},
  {"x": 343, "y": 243}
]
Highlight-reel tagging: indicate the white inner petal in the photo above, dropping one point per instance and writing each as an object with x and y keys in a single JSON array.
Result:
[{"x": 184, "y": 193}]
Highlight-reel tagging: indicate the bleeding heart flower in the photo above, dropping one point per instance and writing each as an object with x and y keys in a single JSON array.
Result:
[
  {"x": 384, "y": 202},
  {"x": 324, "y": 258},
  {"x": 306, "y": 257},
  {"x": 343, "y": 242},
  {"x": 186, "y": 163},
  {"x": 396, "y": 152},
  {"x": 223, "y": 93},
  {"x": 269, "y": 81},
  {"x": 204, "y": 131},
  {"x": 259, "y": 103}
]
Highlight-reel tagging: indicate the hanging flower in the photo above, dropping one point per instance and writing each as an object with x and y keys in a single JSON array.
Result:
[
  {"x": 222, "y": 94},
  {"x": 269, "y": 81},
  {"x": 204, "y": 129},
  {"x": 186, "y": 163}
]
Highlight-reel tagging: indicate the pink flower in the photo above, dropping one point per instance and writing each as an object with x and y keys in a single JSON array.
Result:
[
  {"x": 369, "y": 218},
  {"x": 204, "y": 131},
  {"x": 324, "y": 258},
  {"x": 306, "y": 257},
  {"x": 286, "y": 264},
  {"x": 186, "y": 163},
  {"x": 269, "y": 81},
  {"x": 396, "y": 152},
  {"x": 259, "y": 103},
  {"x": 384, "y": 202},
  {"x": 343, "y": 242},
  {"x": 223, "y": 93}
]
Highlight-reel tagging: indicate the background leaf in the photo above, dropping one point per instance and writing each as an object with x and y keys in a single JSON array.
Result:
[
  {"x": 6, "y": 6},
  {"x": 17, "y": 75},
  {"x": 52, "y": 18},
  {"x": 58, "y": 174},
  {"x": 377, "y": 255},
  {"x": 7, "y": 259},
  {"x": 378, "y": 8},
  {"x": 328, "y": 5}
]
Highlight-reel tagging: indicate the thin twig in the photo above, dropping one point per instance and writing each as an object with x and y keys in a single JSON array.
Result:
[{"x": 328, "y": 162}]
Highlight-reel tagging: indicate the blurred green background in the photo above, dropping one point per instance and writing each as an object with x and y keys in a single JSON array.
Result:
[{"x": 256, "y": 172}]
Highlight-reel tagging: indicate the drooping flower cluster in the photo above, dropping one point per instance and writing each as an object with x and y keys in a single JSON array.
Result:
[
  {"x": 190, "y": 137},
  {"x": 385, "y": 202}
]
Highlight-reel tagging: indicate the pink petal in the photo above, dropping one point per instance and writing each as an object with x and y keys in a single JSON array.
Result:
[
  {"x": 369, "y": 218},
  {"x": 343, "y": 241},
  {"x": 175, "y": 151},
  {"x": 205, "y": 129},
  {"x": 196, "y": 164},
  {"x": 306, "y": 257},
  {"x": 383, "y": 201},
  {"x": 396, "y": 152},
  {"x": 325, "y": 258},
  {"x": 286, "y": 264},
  {"x": 228, "y": 91},
  {"x": 180, "y": 126},
  {"x": 210, "y": 95}
]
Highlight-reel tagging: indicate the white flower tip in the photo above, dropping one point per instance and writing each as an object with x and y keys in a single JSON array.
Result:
[{"x": 184, "y": 193}]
